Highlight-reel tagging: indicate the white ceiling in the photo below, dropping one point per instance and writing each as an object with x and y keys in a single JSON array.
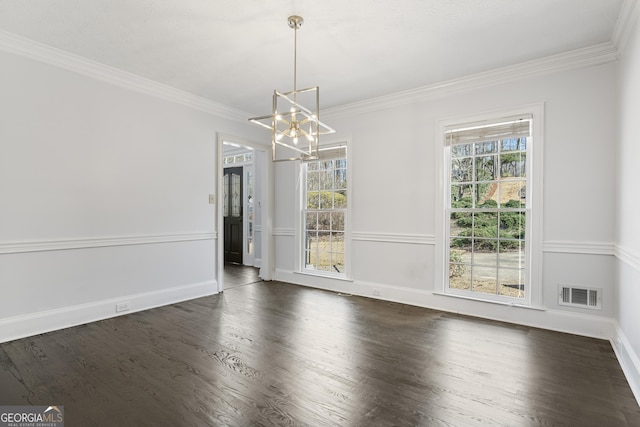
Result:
[{"x": 236, "y": 52}]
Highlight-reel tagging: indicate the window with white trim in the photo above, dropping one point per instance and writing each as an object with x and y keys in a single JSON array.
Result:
[
  {"x": 324, "y": 213},
  {"x": 488, "y": 209}
]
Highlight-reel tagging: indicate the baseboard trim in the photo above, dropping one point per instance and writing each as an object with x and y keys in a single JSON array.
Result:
[
  {"x": 554, "y": 320},
  {"x": 629, "y": 361},
  {"x": 27, "y": 325}
]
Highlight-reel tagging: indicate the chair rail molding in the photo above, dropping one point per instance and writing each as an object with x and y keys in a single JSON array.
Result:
[
  {"x": 579, "y": 247},
  {"x": 98, "y": 242},
  {"x": 281, "y": 231},
  {"x": 628, "y": 256},
  {"x": 414, "y": 239}
]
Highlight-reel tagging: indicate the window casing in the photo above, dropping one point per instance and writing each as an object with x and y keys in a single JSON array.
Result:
[
  {"x": 491, "y": 215},
  {"x": 324, "y": 214}
]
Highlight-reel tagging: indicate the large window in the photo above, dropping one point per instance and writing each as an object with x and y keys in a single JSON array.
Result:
[
  {"x": 324, "y": 213},
  {"x": 488, "y": 209}
]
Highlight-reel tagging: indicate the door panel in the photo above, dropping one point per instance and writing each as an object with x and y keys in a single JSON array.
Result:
[{"x": 233, "y": 210}]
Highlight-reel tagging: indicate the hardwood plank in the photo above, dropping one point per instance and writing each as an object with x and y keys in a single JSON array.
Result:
[
  {"x": 272, "y": 353},
  {"x": 239, "y": 275}
]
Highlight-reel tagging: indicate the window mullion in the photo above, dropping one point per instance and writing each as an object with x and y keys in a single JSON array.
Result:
[{"x": 325, "y": 253}]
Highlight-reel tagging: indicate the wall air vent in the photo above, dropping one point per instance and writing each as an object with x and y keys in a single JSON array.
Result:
[{"x": 579, "y": 296}]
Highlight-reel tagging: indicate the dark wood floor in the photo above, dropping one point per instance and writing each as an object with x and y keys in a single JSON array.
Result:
[
  {"x": 240, "y": 275},
  {"x": 277, "y": 354}
]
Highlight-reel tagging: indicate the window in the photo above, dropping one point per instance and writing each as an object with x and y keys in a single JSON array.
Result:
[
  {"x": 488, "y": 215},
  {"x": 324, "y": 213},
  {"x": 249, "y": 210},
  {"x": 238, "y": 159}
]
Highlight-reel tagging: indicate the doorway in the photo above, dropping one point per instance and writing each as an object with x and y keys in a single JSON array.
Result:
[
  {"x": 233, "y": 212},
  {"x": 243, "y": 213}
]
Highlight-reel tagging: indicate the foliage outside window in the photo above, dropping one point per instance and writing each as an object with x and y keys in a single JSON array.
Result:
[
  {"x": 324, "y": 214},
  {"x": 487, "y": 211}
]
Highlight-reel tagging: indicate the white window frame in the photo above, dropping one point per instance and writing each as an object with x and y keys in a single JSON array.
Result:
[
  {"x": 533, "y": 281},
  {"x": 301, "y": 240}
]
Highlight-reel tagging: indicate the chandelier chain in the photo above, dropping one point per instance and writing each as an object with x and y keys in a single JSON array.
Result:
[{"x": 295, "y": 60}]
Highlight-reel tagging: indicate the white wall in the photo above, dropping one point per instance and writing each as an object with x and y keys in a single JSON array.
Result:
[
  {"x": 285, "y": 216},
  {"x": 394, "y": 193},
  {"x": 628, "y": 205},
  {"x": 104, "y": 198},
  {"x": 261, "y": 158}
]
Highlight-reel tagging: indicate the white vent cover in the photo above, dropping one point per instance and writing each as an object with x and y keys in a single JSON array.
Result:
[{"x": 579, "y": 296}]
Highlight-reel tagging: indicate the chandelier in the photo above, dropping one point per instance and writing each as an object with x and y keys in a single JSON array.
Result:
[{"x": 295, "y": 129}]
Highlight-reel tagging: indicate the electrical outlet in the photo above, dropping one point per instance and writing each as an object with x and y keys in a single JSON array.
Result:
[
  {"x": 212, "y": 199},
  {"x": 376, "y": 292},
  {"x": 123, "y": 306}
]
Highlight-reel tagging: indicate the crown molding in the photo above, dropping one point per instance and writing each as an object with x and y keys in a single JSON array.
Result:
[
  {"x": 627, "y": 18},
  {"x": 24, "y": 47},
  {"x": 580, "y": 58}
]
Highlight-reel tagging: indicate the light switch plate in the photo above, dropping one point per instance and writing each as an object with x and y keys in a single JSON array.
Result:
[{"x": 212, "y": 199}]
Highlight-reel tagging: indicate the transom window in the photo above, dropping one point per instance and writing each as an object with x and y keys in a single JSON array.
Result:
[
  {"x": 238, "y": 159},
  {"x": 324, "y": 213},
  {"x": 488, "y": 209}
]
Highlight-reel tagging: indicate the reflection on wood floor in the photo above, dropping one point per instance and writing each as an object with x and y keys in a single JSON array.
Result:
[
  {"x": 239, "y": 275},
  {"x": 272, "y": 353}
]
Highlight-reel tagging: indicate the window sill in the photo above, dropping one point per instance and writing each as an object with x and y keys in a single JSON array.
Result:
[
  {"x": 324, "y": 276},
  {"x": 507, "y": 304}
]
